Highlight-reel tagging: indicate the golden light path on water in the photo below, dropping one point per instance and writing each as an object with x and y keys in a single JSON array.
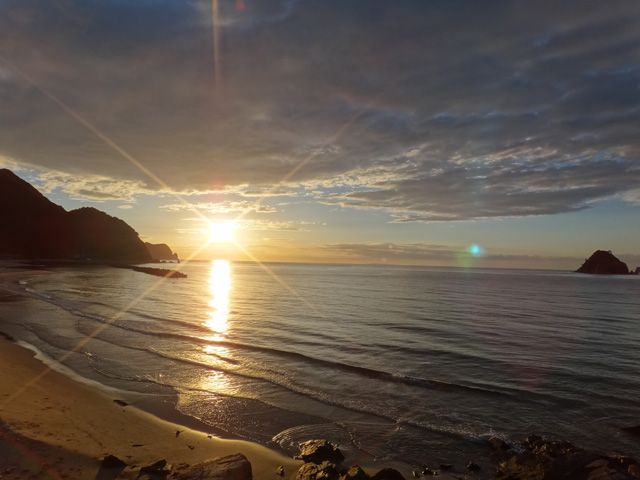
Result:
[{"x": 219, "y": 288}]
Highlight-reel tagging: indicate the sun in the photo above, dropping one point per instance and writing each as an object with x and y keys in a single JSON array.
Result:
[{"x": 221, "y": 231}]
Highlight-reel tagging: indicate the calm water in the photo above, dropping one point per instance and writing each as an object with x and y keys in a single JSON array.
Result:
[{"x": 415, "y": 365}]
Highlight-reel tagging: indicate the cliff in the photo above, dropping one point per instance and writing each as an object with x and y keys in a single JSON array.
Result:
[
  {"x": 31, "y": 226},
  {"x": 604, "y": 263},
  {"x": 161, "y": 251}
]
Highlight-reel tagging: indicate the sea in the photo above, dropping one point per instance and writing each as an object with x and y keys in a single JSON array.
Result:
[{"x": 398, "y": 365}]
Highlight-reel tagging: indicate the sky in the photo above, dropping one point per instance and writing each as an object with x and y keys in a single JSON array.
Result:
[{"x": 493, "y": 133}]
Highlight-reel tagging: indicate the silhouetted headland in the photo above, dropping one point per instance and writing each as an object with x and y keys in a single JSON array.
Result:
[
  {"x": 33, "y": 227},
  {"x": 603, "y": 262}
]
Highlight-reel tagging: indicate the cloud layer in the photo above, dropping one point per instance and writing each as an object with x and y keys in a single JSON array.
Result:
[{"x": 432, "y": 110}]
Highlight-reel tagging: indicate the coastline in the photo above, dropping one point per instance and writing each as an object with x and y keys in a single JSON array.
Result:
[{"x": 54, "y": 427}]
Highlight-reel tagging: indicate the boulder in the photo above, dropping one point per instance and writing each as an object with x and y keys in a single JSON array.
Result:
[
  {"x": 388, "y": 474},
  {"x": 318, "y": 451},
  {"x": 110, "y": 467},
  {"x": 231, "y": 467},
  {"x": 540, "y": 459},
  {"x": 355, "y": 473},
  {"x": 313, "y": 471}
]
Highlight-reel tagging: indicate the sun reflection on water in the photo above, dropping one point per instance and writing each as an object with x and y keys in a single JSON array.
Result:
[{"x": 219, "y": 287}]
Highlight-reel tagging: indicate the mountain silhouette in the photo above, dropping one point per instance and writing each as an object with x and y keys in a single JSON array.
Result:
[{"x": 33, "y": 227}]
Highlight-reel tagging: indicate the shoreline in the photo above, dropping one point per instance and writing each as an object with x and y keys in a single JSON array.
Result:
[
  {"x": 55, "y": 427},
  {"x": 55, "y": 423}
]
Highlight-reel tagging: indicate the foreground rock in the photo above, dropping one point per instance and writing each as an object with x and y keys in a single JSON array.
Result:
[
  {"x": 323, "y": 461},
  {"x": 232, "y": 467},
  {"x": 604, "y": 263},
  {"x": 539, "y": 459},
  {"x": 318, "y": 451},
  {"x": 322, "y": 471}
]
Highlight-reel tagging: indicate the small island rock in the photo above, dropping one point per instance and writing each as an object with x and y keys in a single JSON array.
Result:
[{"x": 604, "y": 263}]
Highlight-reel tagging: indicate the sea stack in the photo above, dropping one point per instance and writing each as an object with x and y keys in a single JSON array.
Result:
[{"x": 603, "y": 262}]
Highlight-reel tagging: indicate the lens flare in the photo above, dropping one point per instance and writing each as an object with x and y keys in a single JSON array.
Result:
[{"x": 475, "y": 250}]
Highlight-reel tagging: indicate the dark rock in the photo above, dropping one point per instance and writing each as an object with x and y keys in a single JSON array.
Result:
[
  {"x": 542, "y": 460},
  {"x": 155, "y": 471},
  {"x": 605, "y": 473},
  {"x": 446, "y": 466},
  {"x": 318, "y": 451},
  {"x": 473, "y": 466},
  {"x": 388, "y": 474},
  {"x": 498, "y": 445},
  {"x": 634, "y": 470},
  {"x": 314, "y": 471},
  {"x": 280, "y": 471},
  {"x": 355, "y": 473},
  {"x": 110, "y": 468},
  {"x": 111, "y": 461},
  {"x": 232, "y": 467},
  {"x": 178, "y": 432},
  {"x": 604, "y": 263},
  {"x": 121, "y": 403}
]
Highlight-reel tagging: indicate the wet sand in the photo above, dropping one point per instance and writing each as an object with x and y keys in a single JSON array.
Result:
[{"x": 54, "y": 427}]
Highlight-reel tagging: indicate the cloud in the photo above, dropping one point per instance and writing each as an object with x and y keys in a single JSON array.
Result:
[
  {"x": 253, "y": 224},
  {"x": 90, "y": 187},
  {"x": 432, "y": 111},
  {"x": 221, "y": 207}
]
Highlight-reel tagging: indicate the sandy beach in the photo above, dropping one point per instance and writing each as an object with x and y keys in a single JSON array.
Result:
[{"x": 54, "y": 427}]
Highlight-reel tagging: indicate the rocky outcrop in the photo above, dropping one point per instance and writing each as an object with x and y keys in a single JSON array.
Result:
[
  {"x": 231, "y": 467},
  {"x": 604, "y": 263},
  {"x": 161, "y": 251},
  {"x": 539, "y": 459},
  {"x": 318, "y": 451},
  {"x": 323, "y": 461},
  {"x": 33, "y": 227}
]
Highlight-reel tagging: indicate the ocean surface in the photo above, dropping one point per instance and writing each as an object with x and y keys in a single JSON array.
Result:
[{"x": 414, "y": 365}]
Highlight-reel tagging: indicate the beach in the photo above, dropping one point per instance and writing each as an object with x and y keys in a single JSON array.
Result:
[{"x": 54, "y": 427}]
